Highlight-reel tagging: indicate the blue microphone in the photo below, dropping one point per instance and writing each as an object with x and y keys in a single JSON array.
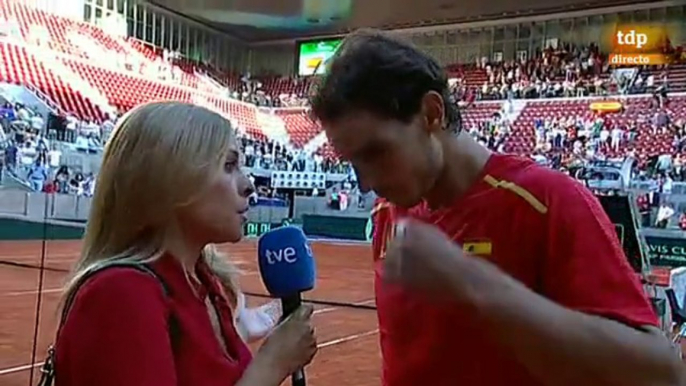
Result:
[{"x": 287, "y": 268}]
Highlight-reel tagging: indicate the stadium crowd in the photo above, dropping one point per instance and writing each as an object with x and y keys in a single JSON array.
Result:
[
  {"x": 29, "y": 151},
  {"x": 34, "y": 153}
]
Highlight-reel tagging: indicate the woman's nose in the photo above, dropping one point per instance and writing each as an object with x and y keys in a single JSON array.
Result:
[{"x": 248, "y": 189}]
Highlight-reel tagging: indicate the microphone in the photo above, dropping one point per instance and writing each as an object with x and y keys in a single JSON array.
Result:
[{"x": 287, "y": 268}]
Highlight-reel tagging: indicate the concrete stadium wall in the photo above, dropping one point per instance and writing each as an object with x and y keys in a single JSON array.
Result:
[
  {"x": 40, "y": 206},
  {"x": 68, "y": 207},
  {"x": 80, "y": 161},
  {"x": 320, "y": 206}
]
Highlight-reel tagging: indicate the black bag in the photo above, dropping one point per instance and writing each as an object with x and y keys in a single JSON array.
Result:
[{"x": 48, "y": 368}]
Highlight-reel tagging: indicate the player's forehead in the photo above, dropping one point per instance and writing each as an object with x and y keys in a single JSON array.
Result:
[{"x": 354, "y": 132}]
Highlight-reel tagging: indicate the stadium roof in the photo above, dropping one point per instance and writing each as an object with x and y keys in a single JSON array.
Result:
[{"x": 264, "y": 20}]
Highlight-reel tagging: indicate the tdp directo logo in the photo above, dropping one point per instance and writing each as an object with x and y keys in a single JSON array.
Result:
[{"x": 637, "y": 45}]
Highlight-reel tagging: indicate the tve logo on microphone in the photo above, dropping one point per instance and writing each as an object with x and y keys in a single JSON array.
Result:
[
  {"x": 285, "y": 261},
  {"x": 286, "y": 255}
]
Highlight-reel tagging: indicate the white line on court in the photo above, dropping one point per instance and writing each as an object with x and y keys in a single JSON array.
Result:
[
  {"x": 347, "y": 338},
  {"x": 22, "y": 293},
  {"x": 50, "y": 255},
  {"x": 19, "y": 368},
  {"x": 329, "y": 309},
  {"x": 340, "y": 242}
]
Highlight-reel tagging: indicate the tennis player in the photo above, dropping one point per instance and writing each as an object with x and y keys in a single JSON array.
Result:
[
  {"x": 503, "y": 272},
  {"x": 170, "y": 187}
]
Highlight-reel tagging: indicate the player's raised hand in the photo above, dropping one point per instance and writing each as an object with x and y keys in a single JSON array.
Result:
[{"x": 421, "y": 256}]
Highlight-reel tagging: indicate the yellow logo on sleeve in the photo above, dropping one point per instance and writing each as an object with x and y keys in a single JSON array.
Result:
[
  {"x": 484, "y": 248},
  {"x": 389, "y": 234}
]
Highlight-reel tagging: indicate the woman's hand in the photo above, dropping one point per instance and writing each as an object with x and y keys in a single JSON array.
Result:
[{"x": 291, "y": 345}]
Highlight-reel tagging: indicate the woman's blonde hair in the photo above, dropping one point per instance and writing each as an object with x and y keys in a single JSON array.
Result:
[{"x": 161, "y": 156}]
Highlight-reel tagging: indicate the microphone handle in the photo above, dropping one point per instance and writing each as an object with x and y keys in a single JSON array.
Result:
[{"x": 288, "y": 305}]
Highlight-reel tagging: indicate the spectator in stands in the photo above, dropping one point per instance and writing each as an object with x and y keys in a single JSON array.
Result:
[
  {"x": 62, "y": 180},
  {"x": 682, "y": 221},
  {"x": 37, "y": 123},
  {"x": 94, "y": 144},
  {"x": 50, "y": 187},
  {"x": 165, "y": 205},
  {"x": 667, "y": 183},
  {"x": 7, "y": 114},
  {"x": 254, "y": 197},
  {"x": 616, "y": 134},
  {"x": 343, "y": 200},
  {"x": 318, "y": 162},
  {"x": 249, "y": 151},
  {"x": 107, "y": 127},
  {"x": 264, "y": 191},
  {"x": 643, "y": 203},
  {"x": 562, "y": 71},
  {"x": 664, "y": 214},
  {"x": 37, "y": 175},
  {"x": 335, "y": 199},
  {"x": 678, "y": 167},
  {"x": 75, "y": 187},
  {"x": 3, "y": 135},
  {"x": 2, "y": 163},
  {"x": 72, "y": 125},
  {"x": 53, "y": 157},
  {"x": 11, "y": 155},
  {"x": 27, "y": 154},
  {"x": 639, "y": 85},
  {"x": 23, "y": 113},
  {"x": 88, "y": 185},
  {"x": 82, "y": 143},
  {"x": 89, "y": 128}
]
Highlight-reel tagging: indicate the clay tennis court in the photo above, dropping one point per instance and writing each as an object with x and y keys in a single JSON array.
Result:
[{"x": 348, "y": 337}]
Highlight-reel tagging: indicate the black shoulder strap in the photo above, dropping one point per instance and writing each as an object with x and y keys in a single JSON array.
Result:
[{"x": 142, "y": 267}]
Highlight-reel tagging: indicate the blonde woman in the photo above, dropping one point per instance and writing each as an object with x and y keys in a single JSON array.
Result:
[{"x": 170, "y": 187}]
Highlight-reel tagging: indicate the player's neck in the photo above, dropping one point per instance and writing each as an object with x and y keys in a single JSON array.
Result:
[{"x": 464, "y": 161}]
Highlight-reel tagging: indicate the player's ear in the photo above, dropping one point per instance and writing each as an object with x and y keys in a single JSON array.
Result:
[{"x": 433, "y": 110}]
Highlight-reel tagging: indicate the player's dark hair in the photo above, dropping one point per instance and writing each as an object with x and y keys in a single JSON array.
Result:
[{"x": 374, "y": 72}]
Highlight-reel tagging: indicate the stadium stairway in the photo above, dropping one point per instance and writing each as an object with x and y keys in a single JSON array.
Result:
[
  {"x": 211, "y": 85},
  {"x": 273, "y": 127},
  {"x": 11, "y": 182},
  {"x": 513, "y": 109},
  {"x": 29, "y": 95},
  {"x": 315, "y": 143},
  {"x": 42, "y": 100},
  {"x": 18, "y": 66},
  {"x": 300, "y": 125},
  {"x": 202, "y": 101},
  {"x": 676, "y": 77},
  {"x": 327, "y": 151},
  {"x": 76, "y": 82}
]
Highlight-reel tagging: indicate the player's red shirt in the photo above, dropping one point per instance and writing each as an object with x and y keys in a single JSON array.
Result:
[{"x": 536, "y": 224}]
